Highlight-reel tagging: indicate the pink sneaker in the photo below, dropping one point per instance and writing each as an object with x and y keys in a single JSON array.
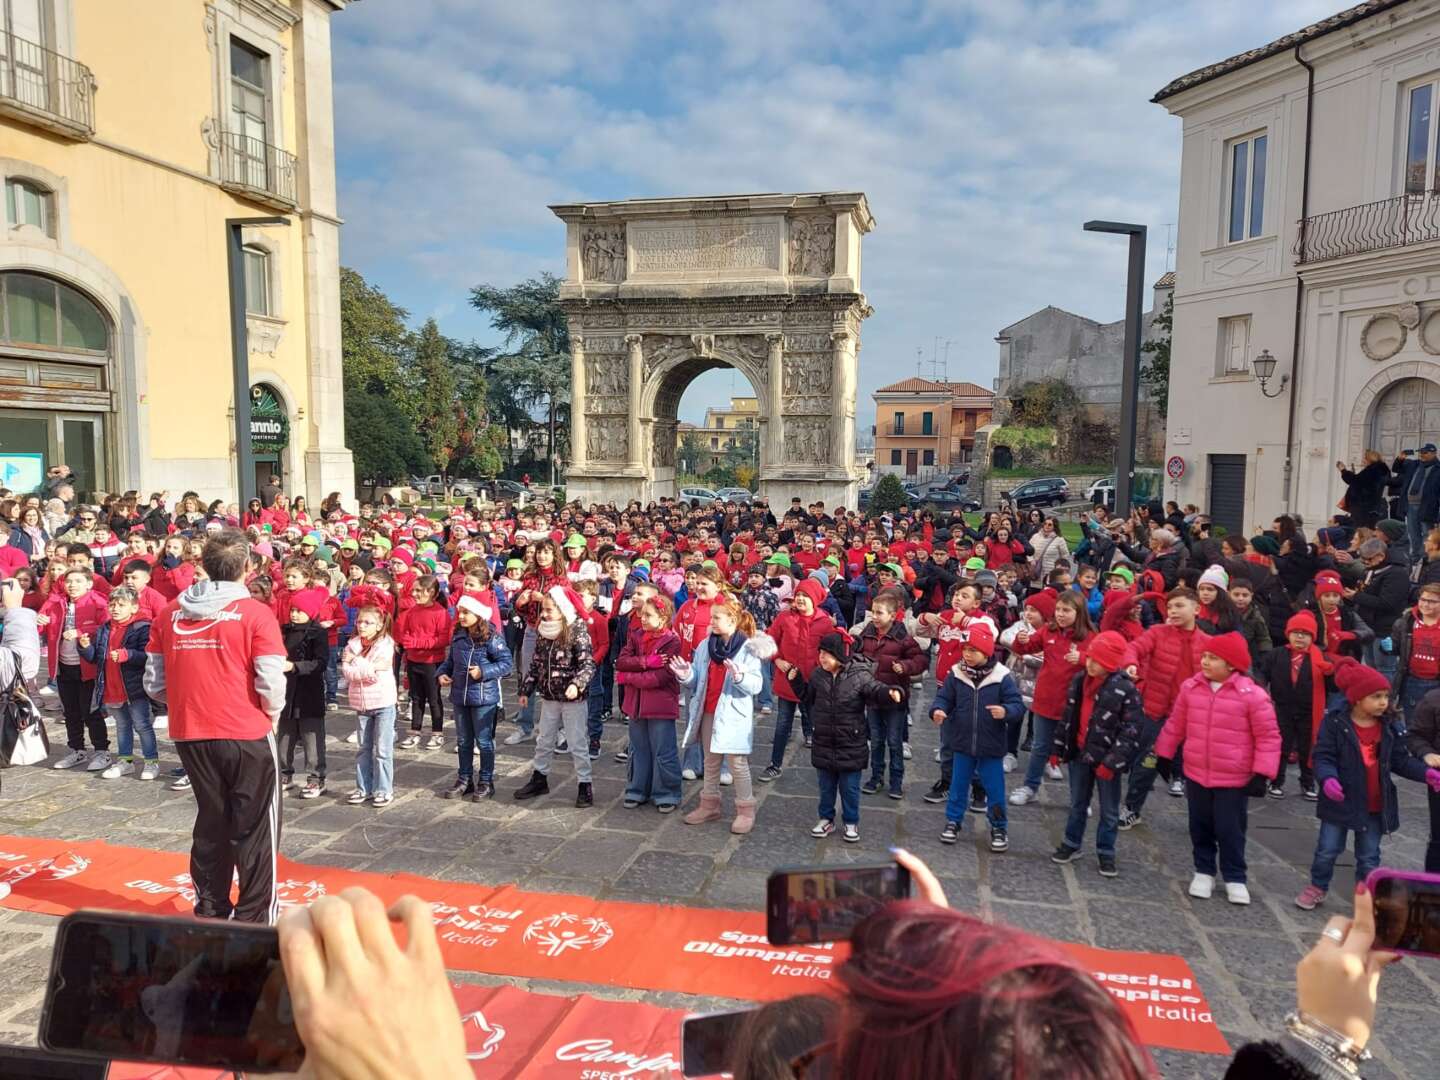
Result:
[{"x": 1311, "y": 897}]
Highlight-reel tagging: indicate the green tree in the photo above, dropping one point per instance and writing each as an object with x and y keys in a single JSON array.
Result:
[
  {"x": 1156, "y": 374},
  {"x": 533, "y": 367},
  {"x": 691, "y": 453},
  {"x": 388, "y": 449},
  {"x": 888, "y": 495},
  {"x": 435, "y": 395},
  {"x": 1043, "y": 403}
]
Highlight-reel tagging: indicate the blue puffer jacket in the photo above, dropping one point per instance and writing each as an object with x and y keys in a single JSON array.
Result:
[
  {"x": 490, "y": 656},
  {"x": 137, "y": 636},
  {"x": 969, "y": 728},
  {"x": 1337, "y": 756}
]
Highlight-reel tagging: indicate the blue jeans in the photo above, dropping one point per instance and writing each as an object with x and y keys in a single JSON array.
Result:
[
  {"x": 766, "y": 698},
  {"x": 1217, "y": 824},
  {"x": 1142, "y": 766},
  {"x": 692, "y": 757},
  {"x": 1330, "y": 844},
  {"x": 1083, "y": 784},
  {"x": 887, "y": 731},
  {"x": 526, "y": 716},
  {"x": 784, "y": 722},
  {"x": 332, "y": 669},
  {"x": 595, "y": 707},
  {"x": 475, "y": 726},
  {"x": 1415, "y": 689},
  {"x": 375, "y": 763},
  {"x": 1040, "y": 746},
  {"x": 847, "y": 784},
  {"x": 992, "y": 778},
  {"x": 654, "y": 762},
  {"x": 131, "y": 719},
  {"x": 606, "y": 678}
]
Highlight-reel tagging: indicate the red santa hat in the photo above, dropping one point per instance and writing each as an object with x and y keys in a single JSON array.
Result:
[
  {"x": 568, "y": 601},
  {"x": 473, "y": 605}
]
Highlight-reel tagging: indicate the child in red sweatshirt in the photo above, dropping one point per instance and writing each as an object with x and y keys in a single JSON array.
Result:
[{"x": 424, "y": 631}]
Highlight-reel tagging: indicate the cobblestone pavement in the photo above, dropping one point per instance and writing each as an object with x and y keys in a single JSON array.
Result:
[{"x": 1244, "y": 958}]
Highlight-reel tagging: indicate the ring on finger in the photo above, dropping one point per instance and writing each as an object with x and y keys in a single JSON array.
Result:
[{"x": 1334, "y": 933}]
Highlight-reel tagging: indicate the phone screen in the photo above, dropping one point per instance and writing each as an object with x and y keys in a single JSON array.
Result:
[
  {"x": 1407, "y": 912},
  {"x": 142, "y": 988},
  {"x": 706, "y": 1042},
  {"x": 820, "y": 903}
]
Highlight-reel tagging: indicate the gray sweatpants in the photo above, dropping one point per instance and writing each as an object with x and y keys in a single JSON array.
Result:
[{"x": 571, "y": 716}]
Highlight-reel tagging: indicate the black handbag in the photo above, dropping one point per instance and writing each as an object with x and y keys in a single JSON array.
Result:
[{"x": 23, "y": 740}]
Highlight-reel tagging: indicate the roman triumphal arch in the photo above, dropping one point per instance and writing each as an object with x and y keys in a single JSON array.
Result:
[{"x": 659, "y": 290}]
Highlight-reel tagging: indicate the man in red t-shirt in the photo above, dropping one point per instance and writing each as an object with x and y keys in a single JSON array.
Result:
[{"x": 217, "y": 659}]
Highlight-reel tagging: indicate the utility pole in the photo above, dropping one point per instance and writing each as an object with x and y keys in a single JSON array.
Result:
[
  {"x": 1130, "y": 370},
  {"x": 240, "y": 352}
]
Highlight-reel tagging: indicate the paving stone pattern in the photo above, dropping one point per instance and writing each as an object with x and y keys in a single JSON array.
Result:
[{"x": 1243, "y": 957}]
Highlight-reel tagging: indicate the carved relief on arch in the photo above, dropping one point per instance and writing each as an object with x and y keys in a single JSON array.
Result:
[
  {"x": 807, "y": 440},
  {"x": 607, "y": 438},
  {"x": 748, "y": 352},
  {"x": 607, "y": 383}
]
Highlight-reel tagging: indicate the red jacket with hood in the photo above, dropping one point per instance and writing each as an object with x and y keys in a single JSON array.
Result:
[{"x": 797, "y": 638}]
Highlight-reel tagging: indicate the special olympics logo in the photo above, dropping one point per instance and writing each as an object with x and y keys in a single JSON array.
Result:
[
  {"x": 292, "y": 893},
  {"x": 494, "y": 1034},
  {"x": 65, "y": 865},
  {"x": 556, "y": 935}
]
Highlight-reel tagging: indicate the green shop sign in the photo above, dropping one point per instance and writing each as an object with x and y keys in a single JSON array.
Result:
[{"x": 269, "y": 426}]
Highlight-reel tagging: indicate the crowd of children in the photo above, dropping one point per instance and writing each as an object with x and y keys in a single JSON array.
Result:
[{"x": 1147, "y": 653}]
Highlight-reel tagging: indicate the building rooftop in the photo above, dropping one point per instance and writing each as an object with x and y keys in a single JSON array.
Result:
[
  {"x": 917, "y": 385},
  {"x": 1338, "y": 21},
  {"x": 1165, "y": 280}
]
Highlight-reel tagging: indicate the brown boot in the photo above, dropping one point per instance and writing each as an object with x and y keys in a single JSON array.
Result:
[
  {"x": 744, "y": 816},
  {"x": 708, "y": 810}
]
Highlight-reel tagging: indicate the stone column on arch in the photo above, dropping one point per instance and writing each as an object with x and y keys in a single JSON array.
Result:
[
  {"x": 636, "y": 358},
  {"x": 842, "y": 399},
  {"x": 775, "y": 387},
  {"x": 578, "y": 444}
]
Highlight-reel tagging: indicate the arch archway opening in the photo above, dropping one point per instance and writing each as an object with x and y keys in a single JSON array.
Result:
[{"x": 708, "y": 415}]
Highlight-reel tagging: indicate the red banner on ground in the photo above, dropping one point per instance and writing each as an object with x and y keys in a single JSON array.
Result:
[{"x": 505, "y": 931}]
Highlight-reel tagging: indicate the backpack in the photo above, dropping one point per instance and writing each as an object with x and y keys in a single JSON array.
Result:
[{"x": 23, "y": 740}]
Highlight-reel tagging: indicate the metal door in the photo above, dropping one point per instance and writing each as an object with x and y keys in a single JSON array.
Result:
[
  {"x": 1227, "y": 492},
  {"x": 1406, "y": 416}
]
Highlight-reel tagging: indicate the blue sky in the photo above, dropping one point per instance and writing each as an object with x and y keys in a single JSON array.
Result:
[{"x": 984, "y": 132}]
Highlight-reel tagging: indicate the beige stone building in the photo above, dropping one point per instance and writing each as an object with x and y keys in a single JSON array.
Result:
[
  {"x": 723, "y": 431},
  {"x": 129, "y": 133}
]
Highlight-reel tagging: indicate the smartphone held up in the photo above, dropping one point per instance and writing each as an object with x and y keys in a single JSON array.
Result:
[
  {"x": 1407, "y": 911},
  {"x": 809, "y": 904}
]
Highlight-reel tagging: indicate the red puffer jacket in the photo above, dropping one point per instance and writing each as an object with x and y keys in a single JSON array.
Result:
[
  {"x": 91, "y": 612},
  {"x": 797, "y": 638},
  {"x": 1052, "y": 685},
  {"x": 651, "y": 691},
  {"x": 1159, "y": 653},
  {"x": 1229, "y": 734}
]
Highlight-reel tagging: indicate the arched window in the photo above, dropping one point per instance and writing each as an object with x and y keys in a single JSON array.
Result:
[
  {"x": 29, "y": 203},
  {"x": 40, "y": 312},
  {"x": 257, "y": 280}
]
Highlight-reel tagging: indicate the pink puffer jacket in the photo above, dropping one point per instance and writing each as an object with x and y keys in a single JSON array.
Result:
[{"x": 1229, "y": 734}]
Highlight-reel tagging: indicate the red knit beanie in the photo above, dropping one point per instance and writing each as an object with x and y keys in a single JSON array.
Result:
[
  {"x": 1044, "y": 603},
  {"x": 979, "y": 636},
  {"x": 1357, "y": 681},
  {"x": 1231, "y": 648},
  {"x": 1108, "y": 650},
  {"x": 1328, "y": 582},
  {"x": 1302, "y": 621}
]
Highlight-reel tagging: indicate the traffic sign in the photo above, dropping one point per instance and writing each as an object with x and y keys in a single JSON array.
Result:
[{"x": 1175, "y": 467}]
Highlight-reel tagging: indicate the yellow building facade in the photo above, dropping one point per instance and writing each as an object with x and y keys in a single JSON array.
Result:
[{"x": 129, "y": 133}]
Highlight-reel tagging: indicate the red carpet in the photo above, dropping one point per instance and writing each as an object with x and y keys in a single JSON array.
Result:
[{"x": 578, "y": 939}]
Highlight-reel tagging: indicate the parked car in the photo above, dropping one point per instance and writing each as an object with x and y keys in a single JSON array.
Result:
[
  {"x": 1046, "y": 491},
  {"x": 735, "y": 494},
  {"x": 960, "y": 482},
  {"x": 1102, "y": 493},
  {"x": 697, "y": 494},
  {"x": 947, "y": 499}
]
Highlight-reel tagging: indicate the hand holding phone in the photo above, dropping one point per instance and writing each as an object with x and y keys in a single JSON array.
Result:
[
  {"x": 824, "y": 903},
  {"x": 1337, "y": 982}
]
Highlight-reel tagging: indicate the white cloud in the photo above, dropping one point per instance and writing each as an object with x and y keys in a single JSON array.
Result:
[{"x": 983, "y": 133}]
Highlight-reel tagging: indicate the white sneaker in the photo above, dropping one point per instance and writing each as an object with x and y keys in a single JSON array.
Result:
[
  {"x": 1177, "y": 787},
  {"x": 181, "y": 783},
  {"x": 689, "y": 774},
  {"x": 1053, "y": 772},
  {"x": 516, "y": 737},
  {"x": 47, "y": 691},
  {"x": 150, "y": 770},
  {"x": 1236, "y": 892},
  {"x": 160, "y": 720},
  {"x": 102, "y": 759},
  {"x": 1022, "y": 795},
  {"x": 117, "y": 770},
  {"x": 851, "y": 834},
  {"x": 937, "y": 753},
  {"x": 435, "y": 742},
  {"x": 905, "y": 751},
  {"x": 1203, "y": 886},
  {"x": 1008, "y": 762},
  {"x": 726, "y": 779},
  {"x": 72, "y": 759},
  {"x": 353, "y": 738}
]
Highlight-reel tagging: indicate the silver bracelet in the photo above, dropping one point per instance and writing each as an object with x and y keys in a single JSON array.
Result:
[{"x": 1336, "y": 1048}]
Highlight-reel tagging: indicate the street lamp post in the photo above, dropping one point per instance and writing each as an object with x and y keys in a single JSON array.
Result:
[
  {"x": 1130, "y": 362},
  {"x": 240, "y": 351}
]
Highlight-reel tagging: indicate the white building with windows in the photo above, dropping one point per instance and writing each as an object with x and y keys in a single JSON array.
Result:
[{"x": 1307, "y": 293}]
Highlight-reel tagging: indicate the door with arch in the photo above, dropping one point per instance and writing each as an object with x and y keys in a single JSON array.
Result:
[{"x": 1405, "y": 416}]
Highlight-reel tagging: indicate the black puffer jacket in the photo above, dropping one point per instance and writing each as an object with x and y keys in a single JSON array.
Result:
[
  {"x": 1387, "y": 587},
  {"x": 1115, "y": 726},
  {"x": 556, "y": 666},
  {"x": 836, "y": 704}
]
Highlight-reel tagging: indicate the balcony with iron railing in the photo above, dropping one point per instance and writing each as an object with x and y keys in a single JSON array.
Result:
[
  {"x": 1377, "y": 226},
  {"x": 39, "y": 86},
  {"x": 253, "y": 168}
]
